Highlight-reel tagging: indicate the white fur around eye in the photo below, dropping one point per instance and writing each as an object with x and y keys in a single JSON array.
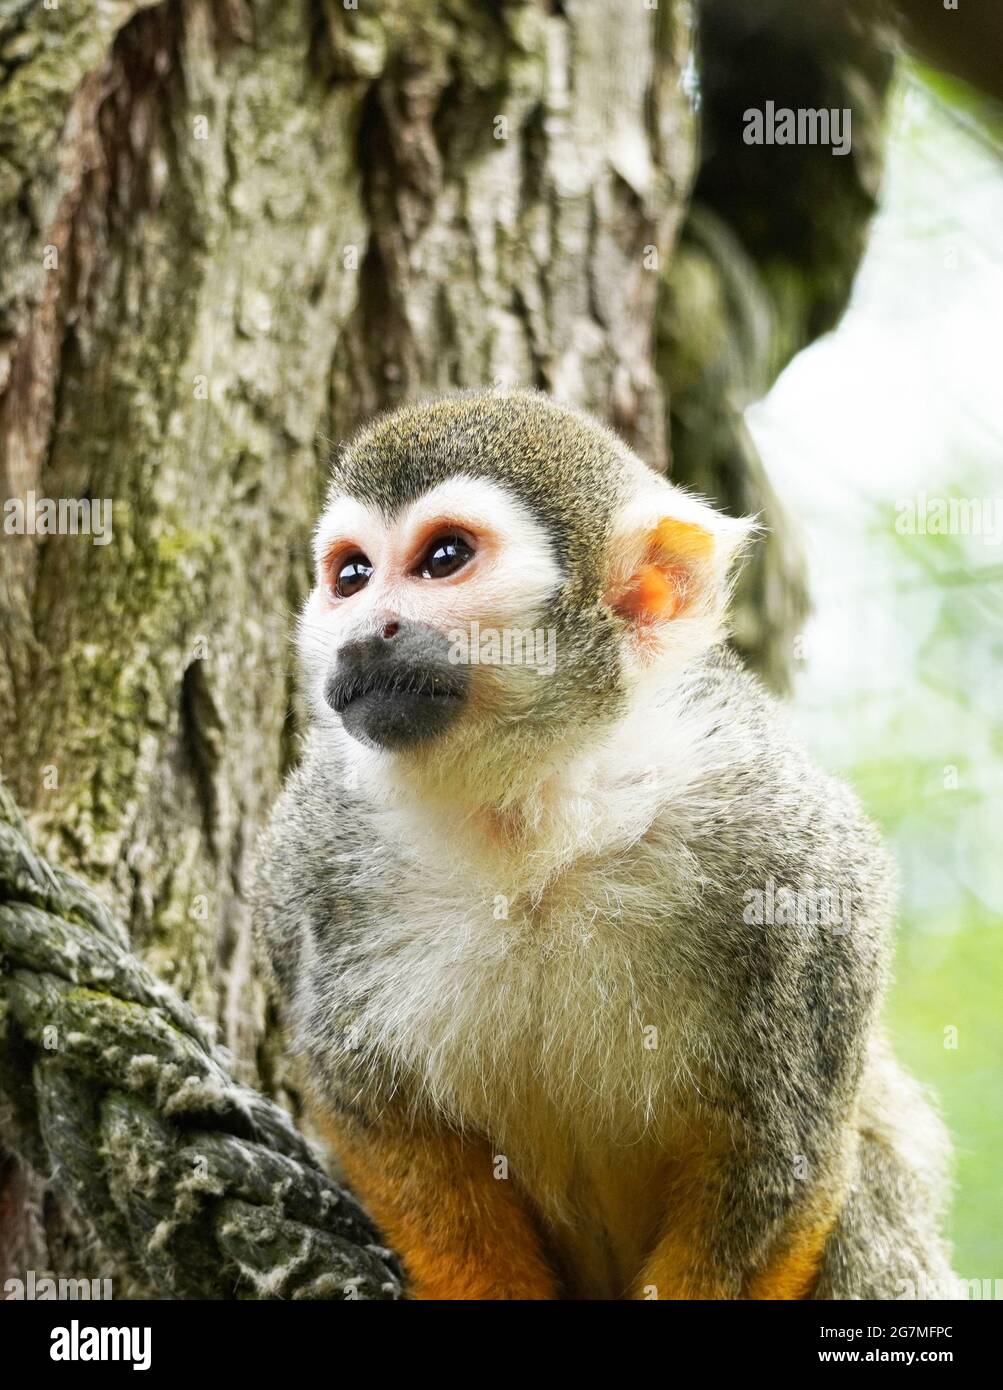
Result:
[
  {"x": 346, "y": 518},
  {"x": 525, "y": 570},
  {"x": 517, "y": 570}
]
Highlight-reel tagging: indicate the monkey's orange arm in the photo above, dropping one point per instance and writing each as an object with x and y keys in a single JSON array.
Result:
[
  {"x": 461, "y": 1232},
  {"x": 684, "y": 1263},
  {"x": 680, "y": 1267},
  {"x": 792, "y": 1270}
]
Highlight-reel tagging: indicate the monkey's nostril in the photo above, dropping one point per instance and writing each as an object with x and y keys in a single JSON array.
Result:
[{"x": 390, "y": 630}]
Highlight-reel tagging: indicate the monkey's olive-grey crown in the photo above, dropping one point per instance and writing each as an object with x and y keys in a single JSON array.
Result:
[
  {"x": 397, "y": 687},
  {"x": 562, "y": 465}
]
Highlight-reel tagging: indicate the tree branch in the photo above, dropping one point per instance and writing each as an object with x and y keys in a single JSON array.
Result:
[{"x": 115, "y": 1091}]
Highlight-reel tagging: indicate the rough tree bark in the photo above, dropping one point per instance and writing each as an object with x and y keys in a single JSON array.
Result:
[
  {"x": 229, "y": 231},
  {"x": 196, "y": 1186}
]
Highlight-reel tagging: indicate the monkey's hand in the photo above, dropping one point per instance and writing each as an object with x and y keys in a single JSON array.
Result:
[{"x": 461, "y": 1232}]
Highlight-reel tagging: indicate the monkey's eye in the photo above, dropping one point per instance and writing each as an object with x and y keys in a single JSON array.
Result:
[
  {"x": 445, "y": 555},
  {"x": 353, "y": 575}
]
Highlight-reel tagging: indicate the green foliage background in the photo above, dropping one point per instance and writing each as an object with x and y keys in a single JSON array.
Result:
[{"x": 901, "y": 684}]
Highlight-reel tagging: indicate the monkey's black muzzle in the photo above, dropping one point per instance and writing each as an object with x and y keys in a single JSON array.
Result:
[{"x": 397, "y": 687}]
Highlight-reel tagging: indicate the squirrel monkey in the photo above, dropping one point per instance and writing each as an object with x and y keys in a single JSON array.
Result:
[{"x": 582, "y": 954}]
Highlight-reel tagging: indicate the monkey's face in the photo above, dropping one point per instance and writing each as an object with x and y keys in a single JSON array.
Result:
[
  {"x": 397, "y": 635},
  {"x": 496, "y": 576}
]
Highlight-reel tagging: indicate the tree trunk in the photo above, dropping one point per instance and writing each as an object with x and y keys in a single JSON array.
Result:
[{"x": 230, "y": 230}]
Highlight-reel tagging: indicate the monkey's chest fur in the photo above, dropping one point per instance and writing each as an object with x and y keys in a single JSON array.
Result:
[{"x": 560, "y": 1023}]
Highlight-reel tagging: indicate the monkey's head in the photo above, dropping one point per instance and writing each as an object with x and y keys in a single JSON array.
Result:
[{"x": 497, "y": 577}]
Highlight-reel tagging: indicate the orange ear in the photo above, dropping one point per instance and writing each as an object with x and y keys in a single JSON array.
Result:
[{"x": 676, "y": 556}]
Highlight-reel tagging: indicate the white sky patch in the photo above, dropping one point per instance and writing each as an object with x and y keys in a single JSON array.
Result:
[{"x": 905, "y": 396}]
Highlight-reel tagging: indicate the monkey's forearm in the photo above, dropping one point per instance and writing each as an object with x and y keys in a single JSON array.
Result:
[
  {"x": 733, "y": 1228},
  {"x": 461, "y": 1232},
  {"x": 675, "y": 1271}
]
